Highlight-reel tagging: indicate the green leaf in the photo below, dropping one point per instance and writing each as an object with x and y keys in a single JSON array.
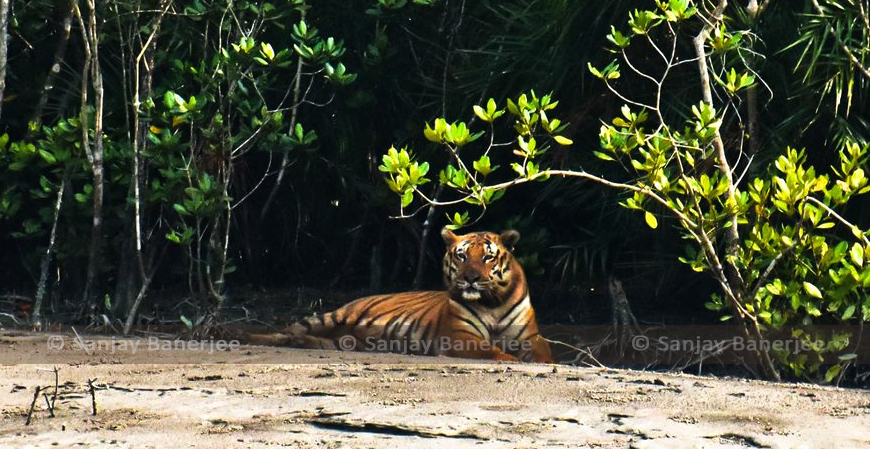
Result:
[
  {"x": 512, "y": 107},
  {"x": 832, "y": 372},
  {"x": 48, "y": 157},
  {"x": 481, "y": 113},
  {"x": 651, "y": 220},
  {"x": 490, "y": 106},
  {"x": 603, "y": 156},
  {"x": 482, "y": 165},
  {"x": 169, "y": 99},
  {"x": 857, "y": 254},
  {"x": 457, "y": 221},
  {"x": 812, "y": 290},
  {"x": 267, "y": 51},
  {"x": 617, "y": 38},
  {"x": 595, "y": 72},
  {"x": 180, "y": 209},
  {"x": 407, "y": 197},
  {"x": 431, "y": 135},
  {"x": 848, "y": 312},
  {"x": 563, "y": 140},
  {"x": 773, "y": 288}
]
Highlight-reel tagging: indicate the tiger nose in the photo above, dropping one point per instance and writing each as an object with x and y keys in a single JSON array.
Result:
[{"x": 471, "y": 278}]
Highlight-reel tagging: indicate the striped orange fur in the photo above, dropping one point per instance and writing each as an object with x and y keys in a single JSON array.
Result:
[{"x": 485, "y": 313}]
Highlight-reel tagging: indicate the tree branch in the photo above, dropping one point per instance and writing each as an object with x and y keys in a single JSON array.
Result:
[
  {"x": 4, "y": 39},
  {"x": 855, "y": 229},
  {"x": 731, "y": 234}
]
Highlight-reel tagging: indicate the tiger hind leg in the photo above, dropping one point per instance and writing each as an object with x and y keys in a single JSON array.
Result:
[
  {"x": 313, "y": 342},
  {"x": 295, "y": 335}
]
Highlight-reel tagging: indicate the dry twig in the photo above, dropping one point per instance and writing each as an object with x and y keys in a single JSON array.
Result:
[
  {"x": 93, "y": 396},
  {"x": 32, "y": 405}
]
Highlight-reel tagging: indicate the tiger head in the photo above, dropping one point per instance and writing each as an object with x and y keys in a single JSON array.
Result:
[{"x": 479, "y": 266}]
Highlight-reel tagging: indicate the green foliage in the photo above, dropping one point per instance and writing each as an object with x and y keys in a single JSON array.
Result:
[
  {"x": 780, "y": 264},
  {"x": 35, "y": 169},
  {"x": 829, "y": 58},
  {"x": 218, "y": 111},
  {"x": 210, "y": 104},
  {"x": 404, "y": 174},
  {"x": 530, "y": 121}
]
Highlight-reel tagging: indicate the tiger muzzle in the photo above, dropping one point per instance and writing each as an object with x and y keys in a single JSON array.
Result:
[{"x": 470, "y": 287}]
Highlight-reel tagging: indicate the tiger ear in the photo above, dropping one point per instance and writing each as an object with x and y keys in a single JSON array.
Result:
[
  {"x": 509, "y": 238},
  {"x": 448, "y": 236}
]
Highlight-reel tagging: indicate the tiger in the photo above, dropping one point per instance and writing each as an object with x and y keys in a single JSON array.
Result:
[{"x": 484, "y": 313}]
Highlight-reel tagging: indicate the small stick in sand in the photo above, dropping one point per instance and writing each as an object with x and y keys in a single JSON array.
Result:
[
  {"x": 48, "y": 404},
  {"x": 33, "y": 405},
  {"x": 54, "y": 398},
  {"x": 93, "y": 396}
]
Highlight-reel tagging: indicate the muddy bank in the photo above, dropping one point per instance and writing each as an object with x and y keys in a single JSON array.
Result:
[{"x": 245, "y": 398}]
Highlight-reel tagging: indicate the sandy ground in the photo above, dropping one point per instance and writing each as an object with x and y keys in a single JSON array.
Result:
[{"x": 279, "y": 397}]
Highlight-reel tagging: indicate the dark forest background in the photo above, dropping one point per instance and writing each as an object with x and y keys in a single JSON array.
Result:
[{"x": 229, "y": 149}]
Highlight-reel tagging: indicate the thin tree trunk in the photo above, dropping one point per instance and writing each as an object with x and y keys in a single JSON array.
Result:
[
  {"x": 59, "y": 53},
  {"x": 96, "y": 157},
  {"x": 732, "y": 237},
  {"x": 297, "y": 92},
  {"x": 400, "y": 261},
  {"x": 84, "y": 119},
  {"x": 376, "y": 269},
  {"x": 36, "y": 317},
  {"x": 125, "y": 277},
  {"x": 4, "y": 39},
  {"x": 624, "y": 322},
  {"x": 752, "y": 119},
  {"x": 219, "y": 240},
  {"x": 99, "y": 173},
  {"x": 424, "y": 238},
  {"x": 734, "y": 280},
  {"x": 199, "y": 259},
  {"x": 134, "y": 309},
  {"x": 753, "y": 9},
  {"x": 352, "y": 251},
  {"x": 142, "y": 88}
]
